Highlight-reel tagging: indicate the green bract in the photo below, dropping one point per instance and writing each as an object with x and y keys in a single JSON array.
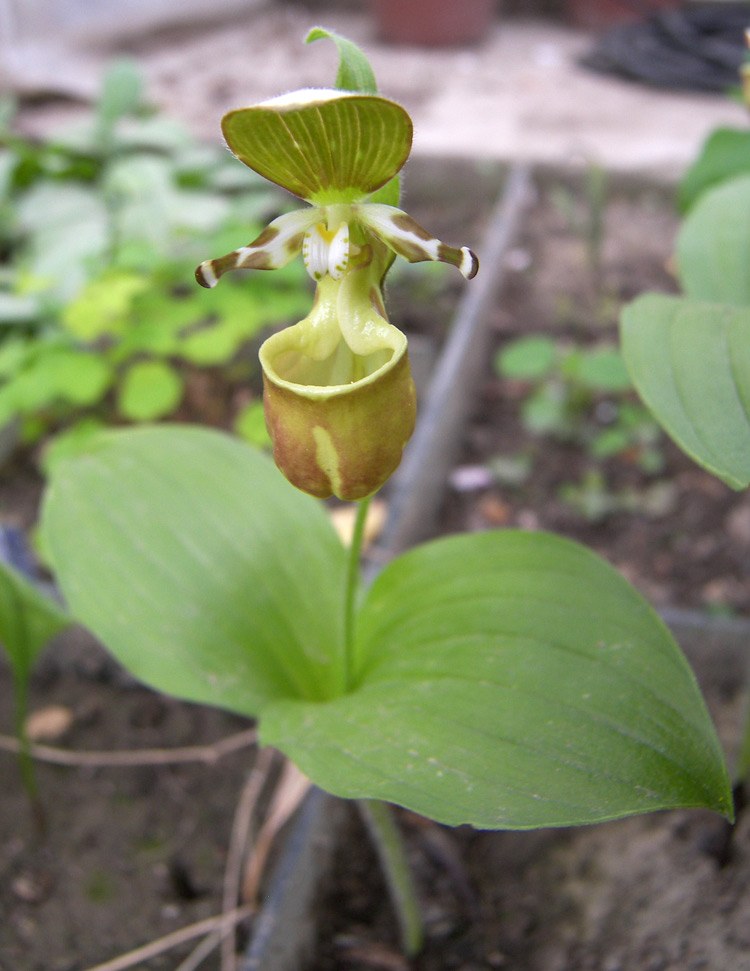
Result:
[{"x": 339, "y": 397}]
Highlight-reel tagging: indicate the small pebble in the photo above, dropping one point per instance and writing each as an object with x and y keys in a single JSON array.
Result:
[
  {"x": 470, "y": 478},
  {"x": 49, "y": 724}
]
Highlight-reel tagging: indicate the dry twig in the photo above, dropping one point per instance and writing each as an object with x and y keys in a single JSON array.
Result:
[
  {"x": 238, "y": 841},
  {"x": 202, "y": 951},
  {"x": 207, "y": 926},
  {"x": 135, "y": 757}
]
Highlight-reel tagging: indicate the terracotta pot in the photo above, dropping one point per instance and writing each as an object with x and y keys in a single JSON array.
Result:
[
  {"x": 600, "y": 14},
  {"x": 432, "y": 23}
]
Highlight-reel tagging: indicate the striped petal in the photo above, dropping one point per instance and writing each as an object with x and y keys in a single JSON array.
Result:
[
  {"x": 276, "y": 246},
  {"x": 406, "y": 237}
]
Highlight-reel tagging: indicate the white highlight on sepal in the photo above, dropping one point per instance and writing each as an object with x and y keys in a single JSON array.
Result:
[
  {"x": 306, "y": 96},
  {"x": 469, "y": 263},
  {"x": 206, "y": 275}
]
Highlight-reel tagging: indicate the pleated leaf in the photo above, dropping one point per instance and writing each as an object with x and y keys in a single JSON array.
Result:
[
  {"x": 690, "y": 362},
  {"x": 323, "y": 146},
  {"x": 713, "y": 247},
  {"x": 510, "y": 680},
  {"x": 199, "y": 567}
]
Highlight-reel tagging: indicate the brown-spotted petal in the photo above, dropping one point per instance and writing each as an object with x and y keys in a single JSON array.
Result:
[
  {"x": 276, "y": 246},
  {"x": 406, "y": 237}
]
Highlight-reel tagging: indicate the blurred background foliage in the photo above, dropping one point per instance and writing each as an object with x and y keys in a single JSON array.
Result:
[{"x": 101, "y": 321}]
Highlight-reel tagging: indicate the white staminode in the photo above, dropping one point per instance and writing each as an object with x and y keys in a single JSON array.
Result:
[{"x": 326, "y": 252}]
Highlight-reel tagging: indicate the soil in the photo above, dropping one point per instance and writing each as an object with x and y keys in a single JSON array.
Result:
[
  {"x": 128, "y": 854},
  {"x": 131, "y": 854}
]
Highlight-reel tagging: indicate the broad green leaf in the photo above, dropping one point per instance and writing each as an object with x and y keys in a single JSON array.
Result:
[
  {"x": 154, "y": 133},
  {"x": 74, "y": 440},
  {"x": 8, "y": 164},
  {"x": 68, "y": 230},
  {"x": 527, "y": 358},
  {"x": 193, "y": 560},
  {"x": 15, "y": 351},
  {"x": 103, "y": 306},
  {"x": 510, "y": 680},
  {"x": 80, "y": 377},
  {"x": 250, "y": 424},
  {"x": 28, "y": 621},
  {"x": 726, "y": 154},
  {"x": 602, "y": 369},
  {"x": 328, "y": 149},
  {"x": 18, "y": 309},
  {"x": 197, "y": 212},
  {"x": 57, "y": 374},
  {"x": 713, "y": 247},
  {"x": 690, "y": 363},
  {"x": 150, "y": 205},
  {"x": 149, "y": 390},
  {"x": 211, "y": 345},
  {"x": 354, "y": 73},
  {"x": 545, "y": 411},
  {"x": 140, "y": 186}
]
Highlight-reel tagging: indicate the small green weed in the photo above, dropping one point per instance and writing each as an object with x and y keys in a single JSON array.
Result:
[
  {"x": 581, "y": 394},
  {"x": 101, "y": 229}
]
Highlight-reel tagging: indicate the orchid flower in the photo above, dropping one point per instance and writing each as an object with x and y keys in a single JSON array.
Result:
[{"x": 338, "y": 395}]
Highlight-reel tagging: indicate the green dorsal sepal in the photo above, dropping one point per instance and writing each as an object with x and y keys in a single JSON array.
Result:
[{"x": 324, "y": 146}]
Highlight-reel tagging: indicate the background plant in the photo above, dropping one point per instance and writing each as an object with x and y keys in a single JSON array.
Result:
[
  {"x": 506, "y": 679},
  {"x": 689, "y": 355},
  {"x": 29, "y": 621},
  {"x": 101, "y": 227},
  {"x": 581, "y": 394}
]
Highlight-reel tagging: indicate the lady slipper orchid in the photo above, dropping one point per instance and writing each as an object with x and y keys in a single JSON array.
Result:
[{"x": 339, "y": 399}]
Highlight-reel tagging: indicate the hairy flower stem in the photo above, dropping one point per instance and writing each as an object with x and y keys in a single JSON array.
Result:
[
  {"x": 386, "y": 838},
  {"x": 352, "y": 588}
]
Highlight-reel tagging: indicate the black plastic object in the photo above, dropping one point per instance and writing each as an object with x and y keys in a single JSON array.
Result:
[{"x": 695, "y": 47}]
